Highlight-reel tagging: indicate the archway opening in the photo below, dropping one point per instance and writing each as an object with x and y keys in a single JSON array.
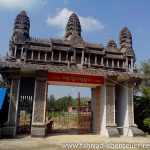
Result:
[{"x": 69, "y": 109}]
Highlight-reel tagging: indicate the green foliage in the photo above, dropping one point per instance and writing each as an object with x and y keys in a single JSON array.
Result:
[
  {"x": 142, "y": 111},
  {"x": 61, "y": 103},
  {"x": 142, "y": 103},
  {"x": 146, "y": 91},
  {"x": 51, "y": 102},
  {"x": 2, "y": 83},
  {"x": 147, "y": 122},
  {"x": 145, "y": 67}
]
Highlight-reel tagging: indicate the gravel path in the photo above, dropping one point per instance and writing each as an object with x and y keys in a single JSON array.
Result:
[{"x": 54, "y": 142}]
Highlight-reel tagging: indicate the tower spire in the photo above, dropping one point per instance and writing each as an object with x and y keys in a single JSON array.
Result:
[{"x": 73, "y": 26}]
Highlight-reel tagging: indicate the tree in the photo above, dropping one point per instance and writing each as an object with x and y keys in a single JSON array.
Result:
[
  {"x": 2, "y": 83},
  {"x": 61, "y": 103},
  {"x": 51, "y": 102},
  {"x": 142, "y": 103}
]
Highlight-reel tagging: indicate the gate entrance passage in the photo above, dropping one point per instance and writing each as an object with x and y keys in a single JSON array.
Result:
[{"x": 69, "y": 114}]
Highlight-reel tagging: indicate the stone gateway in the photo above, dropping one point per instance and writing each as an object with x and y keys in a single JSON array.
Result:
[{"x": 110, "y": 71}]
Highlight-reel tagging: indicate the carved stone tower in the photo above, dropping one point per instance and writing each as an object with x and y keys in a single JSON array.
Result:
[
  {"x": 125, "y": 42},
  {"x": 21, "y": 27},
  {"x": 73, "y": 31}
]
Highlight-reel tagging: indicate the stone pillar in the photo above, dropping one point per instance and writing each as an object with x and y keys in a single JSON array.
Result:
[
  {"x": 132, "y": 65},
  {"x": 82, "y": 57},
  {"x": 95, "y": 59},
  {"x": 102, "y": 61},
  {"x": 89, "y": 59},
  {"x": 15, "y": 52},
  {"x": 32, "y": 55},
  {"x": 66, "y": 56},
  {"x": 107, "y": 110},
  {"x": 22, "y": 52},
  {"x": 133, "y": 127},
  {"x": 39, "y": 55},
  {"x": 112, "y": 62},
  {"x": 122, "y": 110},
  {"x": 74, "y": 54},
  {"x": 127, "y": 62},
  {"x": 110, "y": 109},
  {"x": 45, "y": 56},
  {"x": 125, "y": 111},
  {"x": 59, "y": 57},
  {"x": 52, "y": 56},
  {"x": 107, "y": 62},
  {"x": 10, "y": 127},
  {"x": 96, "y": 109},
  {"x": 38, "y": 127},
  {"x": 118, "y": 64}
]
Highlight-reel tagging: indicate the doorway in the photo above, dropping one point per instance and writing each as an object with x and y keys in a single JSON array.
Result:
[{"x": 69, "y": 110}]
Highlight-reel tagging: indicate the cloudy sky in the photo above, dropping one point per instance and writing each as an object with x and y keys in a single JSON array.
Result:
[{"x": 100, "y": 20}]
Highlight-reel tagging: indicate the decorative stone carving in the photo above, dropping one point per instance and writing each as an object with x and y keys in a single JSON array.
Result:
[
  {"x": 21, "y": 27},
  {"x": 125, "y": 42},
  {"x": 110, "y": 110},
  {"x": 111, "y": 44},
  {"x": 73, "y": 25},
  {"x": 38, "y": 124}
]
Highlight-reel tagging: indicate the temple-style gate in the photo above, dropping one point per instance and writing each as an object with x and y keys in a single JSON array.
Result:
[{"x": 32, "y": 64}]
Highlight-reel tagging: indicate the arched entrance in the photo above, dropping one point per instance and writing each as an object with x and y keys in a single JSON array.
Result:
[
  {"x": 70, "y": 113},
  {"x": 84, "y": 113}
]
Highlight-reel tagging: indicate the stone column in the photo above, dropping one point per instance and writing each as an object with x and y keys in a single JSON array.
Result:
[
  {"x": 125, "y": 111},
  {"x": 132, "y": 65},
  {"x": 59, "y": 57},
  {"x": 22, "y": 52},
  {"x": 95, "y": 105},
  {"x": 10, "y": 126},
  {"x": 15, "y": 52},
  {"x": 95, "y": 59},
  {"x": 102, "y": 61},
  {"x": 52, "y": 56},
  {"x": 32, "y": 55},
  {"x": 122, "y": 110},
  {"x": 112, "y": 62},
  {"x": 118, "y": 63},
  {"x": 74, "y": 54},
  {"x": 39, "y": 55},
  {"x": 107, "y": 62},
  {"x": 38, "y": 127},
  {"x": 66, "y": 56},
  {"x": 45, "y": 56},
  {"x": 82, "y": 57},
  {"x": 133, "y": 127},
  {"x": 127, "y": 62},
  {"x": 97, "y": 110},
  {"x": 110, "y": 109}
]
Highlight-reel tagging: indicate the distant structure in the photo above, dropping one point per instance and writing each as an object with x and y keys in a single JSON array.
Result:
[{"x": 32, "y": 63}]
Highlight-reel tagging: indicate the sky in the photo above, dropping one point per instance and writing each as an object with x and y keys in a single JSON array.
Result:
[{"x": 101, "y": 20}]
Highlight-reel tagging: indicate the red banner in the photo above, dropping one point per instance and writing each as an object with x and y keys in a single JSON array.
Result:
[{"x": 75, "y": 78}]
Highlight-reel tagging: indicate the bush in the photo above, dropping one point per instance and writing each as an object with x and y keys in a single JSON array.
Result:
[{"x": 147, "y": 122}]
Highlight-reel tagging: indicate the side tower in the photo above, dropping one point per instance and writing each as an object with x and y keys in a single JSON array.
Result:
[
  {"x": 20, "y": 36},
  {"x": 125, "y": 43},
  {"x": 73, "y": 35},
  {"x": 73, "y": 28}
]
